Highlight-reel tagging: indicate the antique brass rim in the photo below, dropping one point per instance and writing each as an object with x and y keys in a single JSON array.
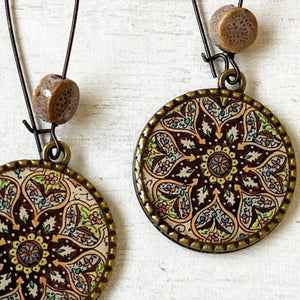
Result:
[
  {"x": 111, "y": 256},
  {"x": 175, "y": 235}
]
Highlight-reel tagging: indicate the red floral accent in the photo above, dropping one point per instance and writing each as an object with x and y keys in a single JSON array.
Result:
[
  {"x": 213, "y": 237},
  {"x": 263, "y": 222},
  {"x": 98, "y": 277},
  {"x": 149, "y": 151},
  {"x": 163, "y": 207},
  {"x": 95, "y": 218},
  {"x": 50, "y": 179}
]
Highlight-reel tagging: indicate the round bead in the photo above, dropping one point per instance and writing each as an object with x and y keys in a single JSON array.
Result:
[
  {"x": 55, "y": 100},
  {"x": 233, "y": 29}
]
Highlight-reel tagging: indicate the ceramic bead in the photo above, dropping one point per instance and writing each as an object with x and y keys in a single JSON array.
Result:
[
  {"x": 55, "y": 100},
  {"x": 233, "y": 29}
]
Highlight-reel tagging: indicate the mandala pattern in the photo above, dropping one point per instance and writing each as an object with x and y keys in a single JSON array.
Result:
[
  {"x": 54, "y": 237},
  {"x": 215, "y": 168}
]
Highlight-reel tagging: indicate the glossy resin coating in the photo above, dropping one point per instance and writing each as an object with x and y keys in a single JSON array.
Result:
[
  {"x": 57, "y": 237},
  {"x": 214, "y": 170}
]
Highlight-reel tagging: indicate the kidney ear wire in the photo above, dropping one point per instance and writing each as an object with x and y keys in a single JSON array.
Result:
[
  {"x": 207, "y": 57},
  {"x": 33, "y": 127}
]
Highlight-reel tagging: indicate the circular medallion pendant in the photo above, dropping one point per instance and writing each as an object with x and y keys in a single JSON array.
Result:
[
  {"x": 214, "y": 170},
  {"x": 57, "y": 236}
]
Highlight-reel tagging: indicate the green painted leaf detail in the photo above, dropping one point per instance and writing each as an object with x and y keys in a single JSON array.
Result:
[
  {"x": 223, "y": 235},
  {"x": 4, "y": 183},
  {"x": 267, "y": 126},
  {"x": 84, "y": 212},
  {"x": 39, "y": 178},
  {"x": 154, "y": 152}
]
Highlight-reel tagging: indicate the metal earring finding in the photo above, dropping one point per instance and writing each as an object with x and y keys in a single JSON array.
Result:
[{"x": 214, "y": 170}]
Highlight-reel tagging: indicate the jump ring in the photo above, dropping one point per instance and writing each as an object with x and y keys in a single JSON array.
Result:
[{"x": 64, "y": 149}]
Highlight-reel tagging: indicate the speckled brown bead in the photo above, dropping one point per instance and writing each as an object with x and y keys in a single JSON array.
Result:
[
  {"x": 55, "y": 100},
  {"x": 233, "y": 29}
]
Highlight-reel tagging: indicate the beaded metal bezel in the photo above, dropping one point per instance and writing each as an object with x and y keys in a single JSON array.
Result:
[
  {"x": 151, "y": 211},
  {"x": 111, "y": 254}
]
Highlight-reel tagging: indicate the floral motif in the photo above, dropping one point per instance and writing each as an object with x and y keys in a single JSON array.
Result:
[
  {"x": 213, "y": 237},
  {"x": 173, "y": 200},
  {"x": 163, "y": 207},
  {"x": 50, "y": 178},
  {"x": 217, "y": 166},
  {"x": 29, "y": 253},
  {"x": 95, "y": 218},
  {"x": 53, "y": 236},
  {"x": 263, "y": 222}
]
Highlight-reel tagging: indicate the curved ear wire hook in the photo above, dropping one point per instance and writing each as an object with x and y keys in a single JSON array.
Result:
[
  {"x": 71, "y": 38},
  {"x": 204, "y": 39},
  {"x": 226, "y": 56},
  {"x": 33, "y": 128}
]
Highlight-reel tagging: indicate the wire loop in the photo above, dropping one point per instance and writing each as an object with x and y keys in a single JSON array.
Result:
[
  {"x": 225, "y": 77},
  {"x": 50, "y": 153},
  {"x": 33, "y": 127},
  {"x": 209, "y": 58}
]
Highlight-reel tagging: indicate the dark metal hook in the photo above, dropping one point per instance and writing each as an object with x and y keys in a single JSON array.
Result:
[
  {"x": 226, "y": 56},
  {"x": 228, "y": 59},
  {"x": 71, "y": 38},
  {"x": 235, "y": 67},
  {"x": 53, "y": 137},
  {"x": 55, "y": 140},
  {"x": 33, "y": 127},
  {"x": 204, "y": 39},
  {"x": 22, "y": 79},
  {"x": 216, "y": 56}
]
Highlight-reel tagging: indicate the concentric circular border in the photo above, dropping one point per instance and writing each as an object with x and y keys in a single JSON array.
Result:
[
  {"x": 99, "y": 199},
  {"x": 149, "y": 208}
]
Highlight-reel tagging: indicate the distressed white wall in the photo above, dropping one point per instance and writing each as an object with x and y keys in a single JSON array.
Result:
[{"x": 129, "y": 58}]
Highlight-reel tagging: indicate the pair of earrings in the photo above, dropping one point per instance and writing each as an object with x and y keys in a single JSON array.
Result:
[{"x": 214, "y": 170}]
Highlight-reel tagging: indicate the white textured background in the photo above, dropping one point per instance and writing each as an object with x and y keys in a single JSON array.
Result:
[{"x": 129, "y": 58}]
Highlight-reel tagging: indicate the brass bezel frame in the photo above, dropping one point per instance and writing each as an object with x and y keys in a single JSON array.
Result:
[
  {"x": 97, "y": 196},
  {"x": 166, "y": 229}
]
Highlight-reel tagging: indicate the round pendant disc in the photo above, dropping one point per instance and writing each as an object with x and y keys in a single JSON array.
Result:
[
  {"x": 214, "y": 170},
  {"x": 57, "y": 236}
]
